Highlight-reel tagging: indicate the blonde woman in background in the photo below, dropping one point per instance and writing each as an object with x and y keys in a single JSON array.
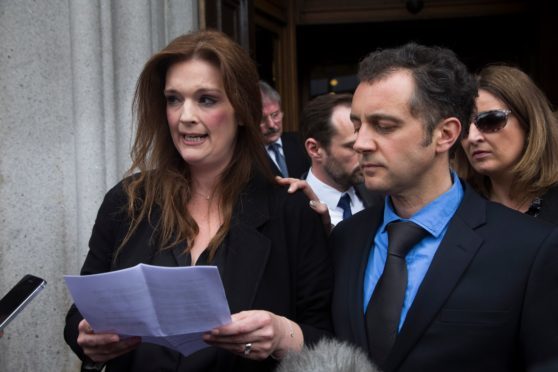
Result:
[{"x": 510, "y": 151}]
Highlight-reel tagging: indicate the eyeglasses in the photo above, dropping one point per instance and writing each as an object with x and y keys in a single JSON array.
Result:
[
  {"x": 491, "y": 121},
  {"x": 275, "y": 116}
]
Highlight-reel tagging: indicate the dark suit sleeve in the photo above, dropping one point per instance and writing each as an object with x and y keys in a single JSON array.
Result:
[
  {"x": 539, "y": 328},
  {"x": 106, "y": 235},
  {"x": 296, "y": 157},
  {"x": 313, "y": 272}
]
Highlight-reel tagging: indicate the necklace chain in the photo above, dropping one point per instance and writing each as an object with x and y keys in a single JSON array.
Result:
[{"x": 206, "y": 197}]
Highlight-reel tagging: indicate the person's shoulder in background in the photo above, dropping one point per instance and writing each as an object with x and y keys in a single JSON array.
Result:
[{"x": 296, "y": 157}]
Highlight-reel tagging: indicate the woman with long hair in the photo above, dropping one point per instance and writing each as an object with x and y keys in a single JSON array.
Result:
[
  {"x": 510, "y": 151},
  {"x": 199, "y": 192}
]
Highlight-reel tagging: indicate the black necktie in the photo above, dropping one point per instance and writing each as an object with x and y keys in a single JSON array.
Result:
[
  {"x": 384, "y": 309},
  {"x": 274, "y": 147},
  {"x": 345, "y": 204}
]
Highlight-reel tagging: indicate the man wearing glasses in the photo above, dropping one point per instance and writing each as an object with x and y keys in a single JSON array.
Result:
[
  {"x": 438, "y": 278},
  {"x": 285, "y": 150}
]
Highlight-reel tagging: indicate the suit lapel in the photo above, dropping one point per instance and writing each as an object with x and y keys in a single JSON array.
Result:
[
  {"x": 274, "y": 167},
  {"x": 248, "y": 250},
  {"x": 178, "y": 253},
  {"x": 367, "y": 229},
  {"x": 452, "y": 258}
]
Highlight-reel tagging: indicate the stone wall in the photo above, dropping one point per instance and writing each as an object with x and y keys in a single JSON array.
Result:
[{"x": 67, "y": 74}]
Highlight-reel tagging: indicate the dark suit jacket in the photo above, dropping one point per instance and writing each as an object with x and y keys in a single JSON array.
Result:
[
  {"x": 549, "y": 206},
  {"x": 295, "y": 155},
  {"x": 275, "y": 260},
  {"x": 489, "y": 301}
]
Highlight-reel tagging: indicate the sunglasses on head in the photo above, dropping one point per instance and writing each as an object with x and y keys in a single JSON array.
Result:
[{"x": 491, "y": 121}]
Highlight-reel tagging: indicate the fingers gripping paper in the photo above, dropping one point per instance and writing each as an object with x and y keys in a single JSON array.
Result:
[{"x": 168, "y": 306}]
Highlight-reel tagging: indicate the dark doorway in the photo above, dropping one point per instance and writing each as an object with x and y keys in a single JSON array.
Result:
[
  {"x": 328, "y": 55},
  {"x": 265, "y": 54}
]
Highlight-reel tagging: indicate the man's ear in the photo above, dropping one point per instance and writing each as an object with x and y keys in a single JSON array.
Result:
[
  {"x": 313, "y": 148},
  {"x": 446, "y": 134}
]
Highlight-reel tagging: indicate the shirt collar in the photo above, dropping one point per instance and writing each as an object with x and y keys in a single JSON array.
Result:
[
  {"x": 435, "y": 216},
  {"x": 279, "y": 142},
  {"x": 328, "y": 194}
]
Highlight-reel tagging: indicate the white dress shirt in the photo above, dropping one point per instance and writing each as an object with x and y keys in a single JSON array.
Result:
[{"x": 331, "y": 196}]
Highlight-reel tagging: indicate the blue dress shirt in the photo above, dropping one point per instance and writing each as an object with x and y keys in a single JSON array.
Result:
[{"x": 434, "y": 218}]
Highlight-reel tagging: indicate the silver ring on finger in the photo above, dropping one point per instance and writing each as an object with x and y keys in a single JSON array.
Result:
[{"x": 247, "y": 348}]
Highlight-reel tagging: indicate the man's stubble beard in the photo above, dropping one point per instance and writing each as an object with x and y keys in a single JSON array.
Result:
[{"x": 338, "y": 175}]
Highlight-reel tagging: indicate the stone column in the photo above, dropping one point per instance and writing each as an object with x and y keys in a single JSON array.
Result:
[{"x": 67, "y": 75}]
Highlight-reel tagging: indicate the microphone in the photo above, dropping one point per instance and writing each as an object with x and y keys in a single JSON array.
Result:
[{"x": 328, "y": 355}]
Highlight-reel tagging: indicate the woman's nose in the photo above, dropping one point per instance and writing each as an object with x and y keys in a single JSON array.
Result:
[
  {"x": 474, "y": 133},
  {"x": 187, "y": 112}
]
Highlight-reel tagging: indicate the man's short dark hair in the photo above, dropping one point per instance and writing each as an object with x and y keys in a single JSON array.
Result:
[
  {"x": 316, "y": 117},
  {"x": 443, "y": 86}
]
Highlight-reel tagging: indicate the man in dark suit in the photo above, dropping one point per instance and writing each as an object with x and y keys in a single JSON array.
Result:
[
  {"x": 478, "y": 289},
  {"x": 285, "y": 150},
  {"x": 335, "y": 175}
]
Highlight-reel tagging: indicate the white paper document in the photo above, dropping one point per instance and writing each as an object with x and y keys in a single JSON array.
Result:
[{"x": 168, "y": 306}]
